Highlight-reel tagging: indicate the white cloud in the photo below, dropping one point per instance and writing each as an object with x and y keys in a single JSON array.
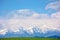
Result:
[
  {"x": 26, "y": 20},
  {"x": 28, "y": 24},
  {"x": 56, "y": 15},
  {"x": 38, "y": 16},
  {"x": 54, "y": 5},
  {"x": 23, "y": 13}
]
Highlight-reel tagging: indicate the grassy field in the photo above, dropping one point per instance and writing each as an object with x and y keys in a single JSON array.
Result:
[{"x": 29, "y": 38}]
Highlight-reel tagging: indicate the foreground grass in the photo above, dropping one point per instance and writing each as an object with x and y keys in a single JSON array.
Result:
[{"x": 29, "y": 38}]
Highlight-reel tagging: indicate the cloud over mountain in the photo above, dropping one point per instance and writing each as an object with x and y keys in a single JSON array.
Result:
[{"x": 26, "y": 20}]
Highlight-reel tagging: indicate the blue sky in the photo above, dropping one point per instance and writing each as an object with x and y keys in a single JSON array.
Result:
[{"x": 36, "y": 5}]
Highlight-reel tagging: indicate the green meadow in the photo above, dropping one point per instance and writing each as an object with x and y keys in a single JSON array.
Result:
[{"x": 29, "y": 38}]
